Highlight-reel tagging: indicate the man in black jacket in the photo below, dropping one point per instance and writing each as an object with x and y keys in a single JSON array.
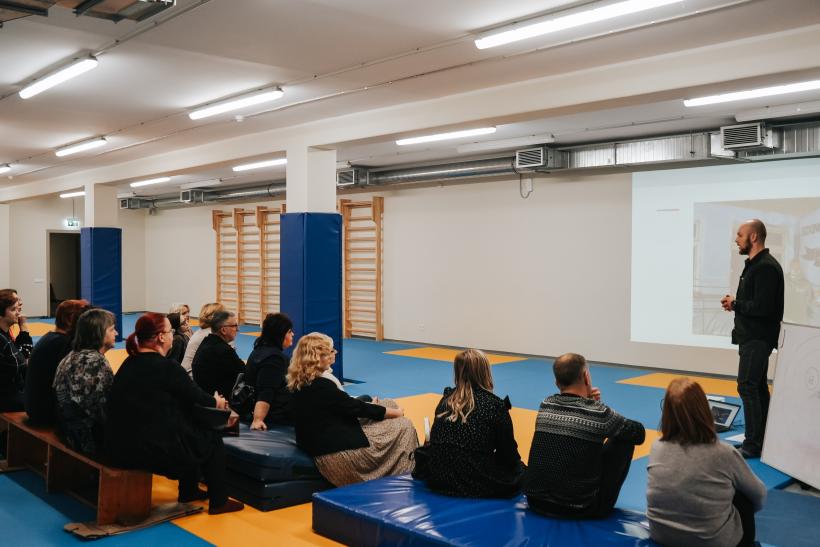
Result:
[
  {"x": 216, "y": 364},
  {"x": 758, "y": 307}
]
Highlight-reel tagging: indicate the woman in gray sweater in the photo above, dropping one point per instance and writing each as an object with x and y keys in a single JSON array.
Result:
[{"x": 701, "y": 491}]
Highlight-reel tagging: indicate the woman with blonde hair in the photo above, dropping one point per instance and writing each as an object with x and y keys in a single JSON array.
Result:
[
  {"x": 184, "y": 311},
  {"x": 327, "y": 421},
  {"x": 701, "y": 491},
  {"x": 472, "y": 450},
  {"x": 206, "y": 315}
]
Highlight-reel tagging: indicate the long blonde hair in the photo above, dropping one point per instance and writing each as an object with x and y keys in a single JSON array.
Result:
[
  {"x": 471, "y": 368},
  {"x": 306, "y": 363}
]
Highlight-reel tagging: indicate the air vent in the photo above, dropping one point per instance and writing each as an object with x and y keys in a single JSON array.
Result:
[
  {"x": 192, "y": 196},
  {"x": 354, "y": 176},
  {"x": 747, "y": 136},
  {"x": 530, "y": 158},
  {"x": 135, "y": 203}
]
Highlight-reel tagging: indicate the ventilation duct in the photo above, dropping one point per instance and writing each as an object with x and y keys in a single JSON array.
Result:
[
  {"x": 355, "y": 176},
  {"x": 541, "y": 158},
  {"x": 465, "y": 169},
  {"x": 793, "y": 141},
  {"x": 747, "y": 136},
  {"x": 112, "y": 10}
]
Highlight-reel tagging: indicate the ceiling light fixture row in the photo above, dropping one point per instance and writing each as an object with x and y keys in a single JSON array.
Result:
[{"x": 79, "y": 194}]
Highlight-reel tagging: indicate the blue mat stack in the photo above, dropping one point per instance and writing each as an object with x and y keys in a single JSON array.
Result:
[{"x": 266, "y": 469}]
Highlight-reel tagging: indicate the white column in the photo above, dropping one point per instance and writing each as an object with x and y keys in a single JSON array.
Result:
[
  {"x": 101, "y": 206},
  {"x": 311, "y": 180},
  {"x": 5, "y": 246}
]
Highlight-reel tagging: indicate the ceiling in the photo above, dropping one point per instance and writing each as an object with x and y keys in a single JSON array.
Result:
[{"x": 350, "y": 61}]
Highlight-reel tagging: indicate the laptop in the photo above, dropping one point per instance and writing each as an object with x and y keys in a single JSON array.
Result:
[{"x": 724, "y": 414}]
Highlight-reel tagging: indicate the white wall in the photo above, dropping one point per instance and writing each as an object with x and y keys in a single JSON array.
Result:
[
  {"x": 5, "y": 249},
  {"x": 29, "y": 222}
]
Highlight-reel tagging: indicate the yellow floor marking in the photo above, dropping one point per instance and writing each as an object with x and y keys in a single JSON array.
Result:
[
  {"x": 646, "y": 447},
  {"x": 712, "y": 386},
  {"x": 448, "y": 354},
  {"x": 39, "y": 329},
  {"x": 254, "y": 333},
  {"x": 115, "y": 358},
  {"x": 193, "y": 322}
]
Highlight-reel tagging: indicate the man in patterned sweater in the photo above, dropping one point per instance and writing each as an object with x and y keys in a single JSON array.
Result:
[{"x": 581, "y": 449}]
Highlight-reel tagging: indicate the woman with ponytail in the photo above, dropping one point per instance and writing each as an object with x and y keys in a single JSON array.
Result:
[
  {"x": 150, "y": 423},
  {"x": 472, "y": 451}
]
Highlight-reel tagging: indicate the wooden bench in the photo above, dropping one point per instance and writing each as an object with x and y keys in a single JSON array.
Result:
[{"x": 122, "y": 496}]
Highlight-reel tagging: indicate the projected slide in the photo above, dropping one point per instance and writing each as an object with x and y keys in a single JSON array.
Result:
[{"x": 684, "y": 258}]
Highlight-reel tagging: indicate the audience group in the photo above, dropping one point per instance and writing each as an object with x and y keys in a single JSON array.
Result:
[{"x": 700, "y": 491}]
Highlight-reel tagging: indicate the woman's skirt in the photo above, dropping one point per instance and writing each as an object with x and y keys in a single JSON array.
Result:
[{"x": 392, "y": 441}]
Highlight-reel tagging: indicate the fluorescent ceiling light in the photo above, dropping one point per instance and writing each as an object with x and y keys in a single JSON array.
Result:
[
  {"x": 754, "y": 93},
  {"x": 5, "y": 167},
  {"x": 260, "y": 164},
  {"x": 447, "y": 136},
  {"x": 80, "y": 147},
  {"x": 158, "y": 180},
  {"x": 778, "y": 111},
  {"x": 76, "y": 68},
  {"x": 73, "y": 194},
  {"x": 236, "y": 103},
  {"x": 500, "y": 144},
  {"x": 573, "y": 20}
]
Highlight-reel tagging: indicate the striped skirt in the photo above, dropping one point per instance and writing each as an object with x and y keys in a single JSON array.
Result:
[{"x": 392, "y": 441}]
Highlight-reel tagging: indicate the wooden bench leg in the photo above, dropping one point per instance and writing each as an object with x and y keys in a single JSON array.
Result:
[
  {"x": 124, "y": 496},
  {"x": 26, "y": 450}
]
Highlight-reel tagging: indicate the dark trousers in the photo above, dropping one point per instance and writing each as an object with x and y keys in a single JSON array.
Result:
[
  {"x": 213, "y": 469},
  {"x": 754, "y": 391},
  {"x": 747, "y": 518},
  {"x": 617, "y": 456}
]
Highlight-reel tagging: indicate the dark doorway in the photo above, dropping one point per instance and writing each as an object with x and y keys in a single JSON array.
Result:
[{"x": 63, "y": 268}]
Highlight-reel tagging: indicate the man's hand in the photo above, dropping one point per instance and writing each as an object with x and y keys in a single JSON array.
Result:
[
  {"x": 728, "y": 302},
  {"x": 259, "y": 425},
  {"x": 595, "y": 393}
]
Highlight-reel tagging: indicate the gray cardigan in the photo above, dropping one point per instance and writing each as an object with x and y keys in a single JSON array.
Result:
[{"x": 689, "y": 497}]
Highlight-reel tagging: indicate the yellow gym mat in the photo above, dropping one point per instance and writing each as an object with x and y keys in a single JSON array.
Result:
[
  {"x": 448, "y": 354},
  {"x": 712, "y": 386},
  {"x": 115, "y": 358},
  {"x": 39, "y": 329}
]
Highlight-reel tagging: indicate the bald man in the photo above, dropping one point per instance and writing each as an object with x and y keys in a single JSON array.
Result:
[{"x": 758, "y": 308}]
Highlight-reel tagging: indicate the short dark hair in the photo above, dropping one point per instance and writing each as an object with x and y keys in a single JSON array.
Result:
[
  {"x": 569, "y": 369},
  {"x": 274, "y": 329},
  {"x": 8, "y": 298},
  {"x": 89, "y": 332},
  {"x": 175, "y": 320},
  {"x": 758, "y": 228},
  {"x": 219, "y": 318},
  {"x": 65, "y": 317}
]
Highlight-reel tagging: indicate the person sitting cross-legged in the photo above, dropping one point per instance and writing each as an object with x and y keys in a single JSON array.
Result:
[
  {"x": 472, "y": 450},
  {"x": 581, "y": 450}
]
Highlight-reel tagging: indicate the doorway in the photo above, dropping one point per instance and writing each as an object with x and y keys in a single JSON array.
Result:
[{"x": 63, "y": 268}]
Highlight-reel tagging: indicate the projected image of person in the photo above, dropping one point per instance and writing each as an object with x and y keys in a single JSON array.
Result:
[{"x": 758, "y": 306}]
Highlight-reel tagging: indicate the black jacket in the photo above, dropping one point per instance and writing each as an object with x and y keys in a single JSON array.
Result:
[
  {"x": 13, "y": 362},
  {"x": 326, "y": 418},
  {"x": 266, "y": 370},
  {"x": 478, "y": 458},
  {"x": 759, "y": 301},
  {"x": 216, "y": 366},
  {"x": 42, "y": 365},
  {"x": 150, "y": 423}
]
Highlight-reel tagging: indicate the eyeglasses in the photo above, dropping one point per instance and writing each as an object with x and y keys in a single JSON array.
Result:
[{"x": 231, "y": 326}]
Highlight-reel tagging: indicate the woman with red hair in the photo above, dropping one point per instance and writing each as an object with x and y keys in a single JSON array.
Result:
[
  {"x": 150, "y": 423},
  {"x": 701, "y": 491}
]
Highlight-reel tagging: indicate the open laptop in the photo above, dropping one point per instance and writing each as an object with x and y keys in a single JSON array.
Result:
[{"x": 724, "y": 414}]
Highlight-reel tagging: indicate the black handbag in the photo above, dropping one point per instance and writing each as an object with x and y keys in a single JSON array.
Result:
[{"x": 243, "y": 396}]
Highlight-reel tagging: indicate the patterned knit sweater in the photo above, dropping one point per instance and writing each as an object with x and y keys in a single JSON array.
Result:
[{"x": 565, "y": 457}]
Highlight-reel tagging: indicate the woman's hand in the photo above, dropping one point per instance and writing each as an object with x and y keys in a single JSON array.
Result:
[
  {"x": 259, "y": 425},
  {"x": 221, "y": 403},
  {"x": 393, "y": 412},
  {"x": 232, "y": 419}
]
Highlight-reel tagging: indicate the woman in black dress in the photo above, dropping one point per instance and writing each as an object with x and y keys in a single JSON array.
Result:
[
  {"x": 472, "y": 450},
  {"x": 150, "y": 418}
]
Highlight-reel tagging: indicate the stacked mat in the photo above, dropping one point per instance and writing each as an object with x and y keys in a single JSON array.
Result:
[
  {"x": 266, "y": 470},
  {"x": 403, "y": 511}
]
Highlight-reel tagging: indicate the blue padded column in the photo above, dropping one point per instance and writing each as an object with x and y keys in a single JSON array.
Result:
[
  {"x": 101, "y": 270},
  {"x": 311, "y": 275}
]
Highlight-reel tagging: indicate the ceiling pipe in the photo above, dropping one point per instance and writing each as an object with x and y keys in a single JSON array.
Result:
[{"x": 464, "y": 169}]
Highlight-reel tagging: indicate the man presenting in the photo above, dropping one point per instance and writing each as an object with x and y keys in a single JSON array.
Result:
[{"x": 758, "y": 308}]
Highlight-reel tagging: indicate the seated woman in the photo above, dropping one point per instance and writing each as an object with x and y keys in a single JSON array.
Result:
[
  {"x": 266, "y": 370},
  {"x": 14, "y": 351},
  {"x": 42, "y": 365},
  {"x": 177, "y": 351},
  {"x": 184, "y": 311},
  {"x": 150, "y": 424},
  {"x": 206, "y": 314},
  {"x": 701, "y": 491},
  {"x": 82, "y": 382},
  {"x": 472, "y": 451},
  {"x": 327, "y": 422}
]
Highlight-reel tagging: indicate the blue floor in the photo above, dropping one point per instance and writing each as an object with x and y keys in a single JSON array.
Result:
[{"x": 527, "y": 382}]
